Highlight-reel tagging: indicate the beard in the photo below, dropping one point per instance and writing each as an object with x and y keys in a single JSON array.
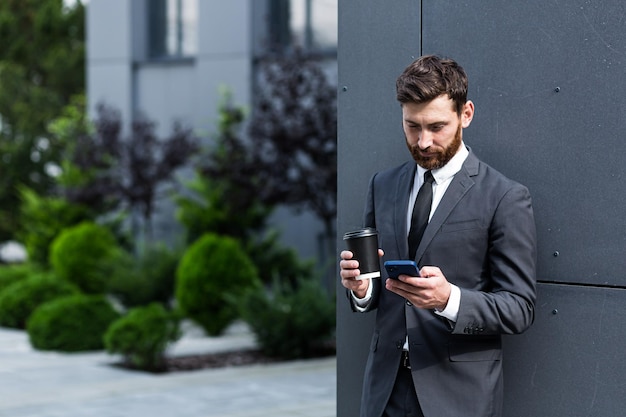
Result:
[{"x": 441, "y": 157}]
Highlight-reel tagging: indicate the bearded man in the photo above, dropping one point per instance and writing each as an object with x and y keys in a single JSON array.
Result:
[{"x": 436, "y": 349}]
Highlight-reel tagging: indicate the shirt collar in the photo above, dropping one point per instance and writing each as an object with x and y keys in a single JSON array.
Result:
[{"x": 450, "y": 169}]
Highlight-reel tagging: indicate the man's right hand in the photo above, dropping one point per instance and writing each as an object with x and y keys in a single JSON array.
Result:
[{"x": 349, "y": 272}]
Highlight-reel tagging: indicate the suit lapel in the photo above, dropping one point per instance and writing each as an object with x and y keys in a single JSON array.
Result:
[
  {"x": 461, "y": 184},
  {"x": 402, "y": 197}
]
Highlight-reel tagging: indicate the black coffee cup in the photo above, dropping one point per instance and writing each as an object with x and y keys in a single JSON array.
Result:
[{"x": 363, "y": 244}]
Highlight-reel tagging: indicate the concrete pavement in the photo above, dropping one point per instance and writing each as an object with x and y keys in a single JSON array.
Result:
[{"x": 52, "y": 384}]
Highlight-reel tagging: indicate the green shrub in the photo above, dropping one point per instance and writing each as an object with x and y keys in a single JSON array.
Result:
[
  {"x": 42, "y": 219},
  {"x": 18, "y": 301},
  {"x": 85, "y": 255},
  {"x": 211, "y": 268},
  {"x": 10, "y": 274},
  {"x": 218, "y": 206},
  {"x": 71, "y": 324},
  {"x": 150, "y": 278},
  {"x": 289, "y": 322},
  {"x": 143, "y": 335},
  {"x": 275, "y": 261}
]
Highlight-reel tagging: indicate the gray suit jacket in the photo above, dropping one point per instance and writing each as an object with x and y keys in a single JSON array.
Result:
[{"x": 482, "y": 236}]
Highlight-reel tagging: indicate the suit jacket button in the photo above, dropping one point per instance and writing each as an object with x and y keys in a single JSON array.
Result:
[{"x": 408, "y": 303}]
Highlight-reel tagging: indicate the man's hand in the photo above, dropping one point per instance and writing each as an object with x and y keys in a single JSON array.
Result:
[
  {"x": 430, "y": 290},
  {"x": 349, "y": 270}
]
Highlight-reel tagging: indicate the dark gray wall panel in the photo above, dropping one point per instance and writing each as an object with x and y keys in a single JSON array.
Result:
[
  {"x": 548, "y": 82},
  {"x": 570, "y": 363},
  {"x": 376, "y": 41}
]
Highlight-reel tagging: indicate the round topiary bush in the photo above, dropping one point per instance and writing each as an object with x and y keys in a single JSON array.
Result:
[
  {"x": 19, "y": 300},
  {"x": 143, "y": 335},
  {"x": 213, "y": 269},
  {"x": 85, "y": 255},
  {"x": 73, "y": 323}
]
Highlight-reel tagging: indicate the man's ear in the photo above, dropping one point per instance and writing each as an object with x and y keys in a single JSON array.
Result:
[{"x": 467, "y": 114}]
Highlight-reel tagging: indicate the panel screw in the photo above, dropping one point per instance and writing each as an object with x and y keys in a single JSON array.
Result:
[
  {"x": 344, "y": 88},
  {"x": 555, "y": 311},
  {"x": 556, "y": 90},
  {"x": 556, "y": 253}
]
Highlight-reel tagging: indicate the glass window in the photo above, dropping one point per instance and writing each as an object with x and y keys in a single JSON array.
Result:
[
  {"x": 307, "y": 24},
  {"x": 173, "y": 28},
  {"x": 314, "y": 24}
]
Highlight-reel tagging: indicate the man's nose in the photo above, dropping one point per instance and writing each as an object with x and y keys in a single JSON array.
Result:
[{"x": 425, "y": 139}]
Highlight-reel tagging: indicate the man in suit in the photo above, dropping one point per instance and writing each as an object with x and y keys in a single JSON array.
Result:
[{"x": 436, "y": 347}]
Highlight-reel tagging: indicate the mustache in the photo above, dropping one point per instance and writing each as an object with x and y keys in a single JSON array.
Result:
[{"x": 416, "y": 151}]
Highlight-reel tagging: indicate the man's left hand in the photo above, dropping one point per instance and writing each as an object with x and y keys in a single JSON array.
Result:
[{"x": 431, "y": 290}]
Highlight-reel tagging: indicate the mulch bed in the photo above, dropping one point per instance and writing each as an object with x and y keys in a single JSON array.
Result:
[
  {"x": 217, "y": 360},
  {"x": 223, "y": 359}
]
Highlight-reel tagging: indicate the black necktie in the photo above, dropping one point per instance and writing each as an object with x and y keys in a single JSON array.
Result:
[{"x": 421, "y": 211}]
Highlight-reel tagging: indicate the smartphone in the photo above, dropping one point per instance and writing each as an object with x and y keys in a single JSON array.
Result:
[{"x": 401, "y": 267}]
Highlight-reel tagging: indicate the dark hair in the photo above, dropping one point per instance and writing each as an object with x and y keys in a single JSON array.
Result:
[{"x": 430, "y": 76}]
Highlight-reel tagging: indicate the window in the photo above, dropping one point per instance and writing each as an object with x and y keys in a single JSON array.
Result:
[
  {"x": 173, "y": 28},
  {"x": 307, "y": 24}
]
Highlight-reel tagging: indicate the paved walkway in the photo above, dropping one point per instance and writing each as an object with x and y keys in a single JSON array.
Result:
[{"x": 51, "y": 384}]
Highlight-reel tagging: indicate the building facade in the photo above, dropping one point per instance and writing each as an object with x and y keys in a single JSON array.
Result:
[{"x": 169, "y": 60}]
